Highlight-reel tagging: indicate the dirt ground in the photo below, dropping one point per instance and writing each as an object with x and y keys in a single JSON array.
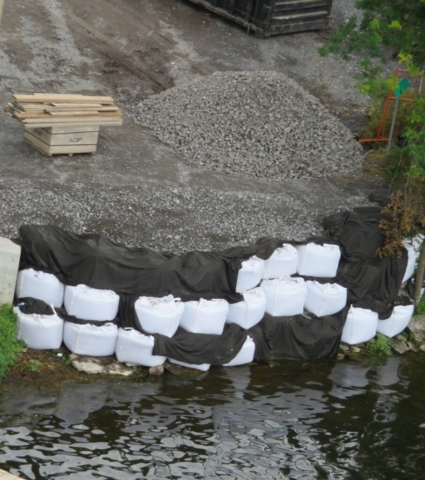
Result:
[{"x": 131, "y": 49}]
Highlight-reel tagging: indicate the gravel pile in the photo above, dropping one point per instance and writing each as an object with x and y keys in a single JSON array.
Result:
[{"x": 261, "y": 124}]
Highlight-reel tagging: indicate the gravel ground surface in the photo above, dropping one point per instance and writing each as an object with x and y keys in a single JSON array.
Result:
[
  {"x": 137, "y": 189},
  {"x": 257, "y": 123}
]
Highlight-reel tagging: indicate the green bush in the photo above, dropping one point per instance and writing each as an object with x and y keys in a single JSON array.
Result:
[
  {"x": 421, "y": 306},
  {"x": 9, "y": 346},
  {"x": 381, "y": 347}
]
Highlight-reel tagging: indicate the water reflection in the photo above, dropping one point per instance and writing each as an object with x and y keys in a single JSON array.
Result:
[{"x": 299, "y": 420}]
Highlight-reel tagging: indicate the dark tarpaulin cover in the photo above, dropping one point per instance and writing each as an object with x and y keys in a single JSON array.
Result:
[
  {"x": 30, "y": 306},
  {"x": 197, "y": 348},
  {"x": 301, "y": 336},
  {"x": 357, "y": 232}
]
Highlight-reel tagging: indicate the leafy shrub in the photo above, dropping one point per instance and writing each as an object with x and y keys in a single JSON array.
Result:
[
  {"x": 381, "y": 347},
  {"x": 9, "y": 346},
  {"x": 421, "y": 306}
]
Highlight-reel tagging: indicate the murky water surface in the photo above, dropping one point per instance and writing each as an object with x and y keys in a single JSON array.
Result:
[{"x": 299, "y": 420}]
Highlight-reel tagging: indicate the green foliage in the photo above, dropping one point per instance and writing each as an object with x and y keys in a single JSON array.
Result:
[
  {"x": 9, "y": 346},
  {"x": 421, "y": 306},
  {"x": 67, "y": 360},
  {"x": 33, "y": 365},
  {"x": 381, "y": 347},
  {"x": 398, "y": 24},
  {"x": 411, "y": 338}
]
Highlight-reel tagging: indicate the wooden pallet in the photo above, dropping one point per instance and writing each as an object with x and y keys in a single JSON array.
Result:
[{"x": 63, "y": 140}]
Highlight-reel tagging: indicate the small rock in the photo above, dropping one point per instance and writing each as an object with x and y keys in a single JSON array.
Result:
[
  {"x": 422, "y": 347},
  {"x": 400, "y": 347},
  {"x": 157, "y": 371},
  {"x": 344, "y": 348},
  {"x": 355, "y": 349},
  {"x": 180, "y": 371},
  {"x": 417, "y": 327},
  {"x": 413, "y": 347},
  {"x": 341, "y": 356},
  {"x": 103, "y": 365}
]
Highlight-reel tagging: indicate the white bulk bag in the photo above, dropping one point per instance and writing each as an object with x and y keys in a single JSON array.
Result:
[
  {"x": 325, "y": 299},
  {"x": 411, "y": 261},
  {"x": 282, "y": 263},
  {"x": 159, "y": 315},
  {"x": 203, "y": 367},
  {"x": 92, "y": 340},
  {"x": 40, "y": 285},
  {"x": 250, "y": 311},
  {"x": 246, "y": 355},
  {"x": 360, "y": 326},
  {"x": 318, "y": 260},
  {"x": 88, "y": 303},
  {"x": 205, "y": 316},
  {"x": 284, "y": 296},
  {"x": 250, "y": 273},
  {"x": 398, "y": 321},
  {"x": 41, "y": 332},
  {"x": 134, "y": 347}
]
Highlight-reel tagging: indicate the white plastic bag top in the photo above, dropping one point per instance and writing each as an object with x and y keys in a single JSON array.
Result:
[
  {"x": 250, "y": 311},
  {"x": 134, "y": 347},
  {"x": 325, "y": 299},
  {"x": 92, "y": 340},
  {"x": 284, "y": 296},
  {"x": 360, "y": 326},
  {"x": 283, "y": 262},
  {"x": 318, "y": 260},
  {"x": 159, "y": 315},
  {"x": 40, "y": 285},
  {"x": 205, "y": 316},
  {"x": 203, "y": 367},
  {"x": 398, "y": 321},
  {"x": 41, "y": 332},
  {"x": 92, "y": 304},
  {"x": 411, "y": 261},
  {"x": 250, "y": 274},
  {"x": 246, "y": 354}
]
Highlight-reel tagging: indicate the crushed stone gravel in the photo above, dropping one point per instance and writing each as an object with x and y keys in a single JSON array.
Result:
[{"x": 260, "y": 124}]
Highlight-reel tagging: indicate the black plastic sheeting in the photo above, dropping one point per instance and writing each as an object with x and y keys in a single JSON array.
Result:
[{"x": 98, "y": 262}]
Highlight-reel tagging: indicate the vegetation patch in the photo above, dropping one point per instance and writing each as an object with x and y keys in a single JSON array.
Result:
[
  {"x": 10, "y": 348},
  {"x": 381, "y": 347}
]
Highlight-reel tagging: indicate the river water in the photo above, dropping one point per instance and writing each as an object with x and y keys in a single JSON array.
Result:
[{"x": 298, "y": 420}]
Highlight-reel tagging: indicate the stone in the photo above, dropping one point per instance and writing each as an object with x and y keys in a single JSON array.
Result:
[
  {"x": 157, "y": 371},
  {"x": 400, "y": 347},
  {"x": 417, "y": 327},
  {"x": 340, "y": 356},
  {"x": 180, "y": 371},
  {"x": 100, "y": 365},
  {"x": 344, "y": 348},
  {"x": 355, "y": 349},
  {"x": 422, "y": 347},
  {"x": 413, "y": 347}
]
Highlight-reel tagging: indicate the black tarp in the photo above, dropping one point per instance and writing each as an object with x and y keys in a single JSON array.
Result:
[
  {"x": 300, "y": 336},
  {"x": 29, "y": 306},
  {"x": 197, "y": 348}
]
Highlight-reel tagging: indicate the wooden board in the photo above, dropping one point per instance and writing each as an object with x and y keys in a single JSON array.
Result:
[
  {"x": 49, "y": 98},
  {"x": 57, "y": 130},
  {"x": 65, "y": 138},
  {"x": 50, "y": 150}
]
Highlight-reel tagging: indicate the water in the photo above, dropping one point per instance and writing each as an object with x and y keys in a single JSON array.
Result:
[{"x": 299, "y": 420}]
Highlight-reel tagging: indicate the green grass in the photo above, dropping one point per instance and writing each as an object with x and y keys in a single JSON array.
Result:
[
  {"x": 9, "y": 346},
  {"x": 421, "y": 306}
]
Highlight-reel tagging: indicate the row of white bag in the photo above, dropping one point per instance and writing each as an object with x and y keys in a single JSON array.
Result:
[
  {"x": 311, "y": 260},
  {"x": 47, "y": 332}
]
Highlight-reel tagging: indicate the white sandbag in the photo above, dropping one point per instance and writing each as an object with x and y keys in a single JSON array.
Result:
[
  {"x": 360, "y": 326},
  {"x": 325, "y": 299},
  {"x": 159, "y": 315},
  {"x": 398, "y": 321},
  {"x": 282, "y": 263},
  {"x": 40, "y": 285},
  {"x": 250, "y": 311},
  {"x": 134, "y": 347},
  {"x": 246, "y": 355},
  {"x": 203, "y": 367},
  {"x": 411, "y": 261},
  {"x": 88, "y": 303},
  {"x": 92, "y": 340},
  {"x": 284, "y": 296},
  {"x": 250, "y": 273},
  {"x": 318, "y": 260},
  {"x": 205, "y": 316},
  {"x": 41, "y": 332}
]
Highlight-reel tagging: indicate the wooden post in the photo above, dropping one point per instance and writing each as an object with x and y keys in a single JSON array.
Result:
[{"x": 1, "y": 8}]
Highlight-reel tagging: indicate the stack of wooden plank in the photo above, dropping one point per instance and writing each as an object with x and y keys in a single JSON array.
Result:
[{"x": 64, "y": 124}]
